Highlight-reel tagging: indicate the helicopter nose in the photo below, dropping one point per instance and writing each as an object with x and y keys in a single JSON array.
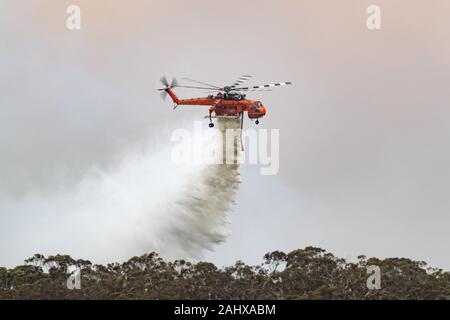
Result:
[{"x": 262, "y": 110}]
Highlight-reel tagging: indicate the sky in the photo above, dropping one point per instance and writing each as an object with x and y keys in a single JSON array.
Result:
[{"x": 364, "y": 135}]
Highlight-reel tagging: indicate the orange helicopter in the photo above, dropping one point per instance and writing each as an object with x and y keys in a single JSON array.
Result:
[{"x": 227, "y": 101}]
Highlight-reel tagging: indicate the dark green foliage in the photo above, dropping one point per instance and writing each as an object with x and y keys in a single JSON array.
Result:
[{"x": 309, "y": 273}]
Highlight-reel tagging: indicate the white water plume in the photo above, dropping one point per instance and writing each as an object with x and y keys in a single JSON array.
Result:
[{"x": 146, "y": 203}]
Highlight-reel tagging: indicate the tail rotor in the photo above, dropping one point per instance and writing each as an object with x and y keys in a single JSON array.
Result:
[{"x": 167, "y": 85}]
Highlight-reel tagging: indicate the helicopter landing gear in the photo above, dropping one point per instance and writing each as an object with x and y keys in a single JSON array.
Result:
[
  {"x": 257, "y": 122},
  {"x": 211, "y": 124}
]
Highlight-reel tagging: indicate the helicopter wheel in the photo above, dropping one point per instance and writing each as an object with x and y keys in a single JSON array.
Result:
[
  {"x": 257, "y": 122},
  {"x": 211, "y": 125}
]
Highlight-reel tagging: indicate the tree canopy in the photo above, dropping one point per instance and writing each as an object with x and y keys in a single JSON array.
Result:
[{"x": 309, "y": 273}]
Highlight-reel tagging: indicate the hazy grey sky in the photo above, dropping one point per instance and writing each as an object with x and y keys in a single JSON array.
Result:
[{"x": 364, "y": 130}]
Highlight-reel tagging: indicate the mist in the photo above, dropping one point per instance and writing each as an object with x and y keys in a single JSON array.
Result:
[{"x": 143, "y": 203}]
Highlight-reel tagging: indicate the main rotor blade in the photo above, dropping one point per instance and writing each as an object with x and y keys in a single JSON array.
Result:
[
  {"x": 273, "y": 85},
  {"x": 241, "y": 80},
  {"x": 211, "y": 91},
  {"x": 190, "y": 87},
  {"x": 203, "y": 83},
  {"x": 259, "y": 90}
]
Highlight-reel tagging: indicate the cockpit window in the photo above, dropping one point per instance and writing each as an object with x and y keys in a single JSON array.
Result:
[{"x": 255, "y": 106}]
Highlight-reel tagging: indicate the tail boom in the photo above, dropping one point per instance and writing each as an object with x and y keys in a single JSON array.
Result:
[{"x": 173, "y": 96}]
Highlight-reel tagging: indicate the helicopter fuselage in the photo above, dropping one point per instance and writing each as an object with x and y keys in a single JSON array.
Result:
[{"x": 223, "y": 105}]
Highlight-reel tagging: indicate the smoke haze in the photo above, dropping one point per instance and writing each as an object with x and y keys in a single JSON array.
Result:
[{"x": 364, "y": 134}]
